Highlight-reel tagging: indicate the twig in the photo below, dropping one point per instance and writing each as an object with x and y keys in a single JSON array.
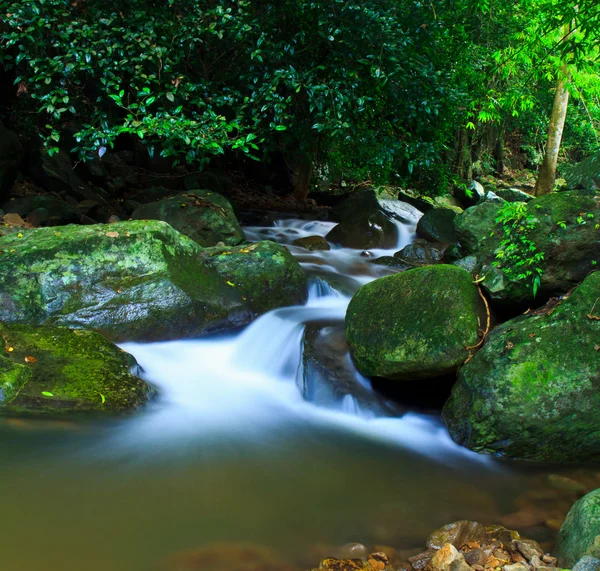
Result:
[{"x": 487, "y": 326}]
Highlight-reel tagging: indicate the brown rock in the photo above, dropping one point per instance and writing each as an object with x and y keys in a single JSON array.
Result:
[
  {"x": 502, "y": 534},
  {"x": 528, "y": 548},
  {"x": 312, "y": 243},
  {"x": 475, "y": 557},
  {"x": 448, "y": 558},
  {"x": 13, "y": 219},
  {"x": 458, "y": 534},
  {"x": 420, "y": 561},
  {"x": 516, "y": 567},
  {"x": 548, "y": 559}
]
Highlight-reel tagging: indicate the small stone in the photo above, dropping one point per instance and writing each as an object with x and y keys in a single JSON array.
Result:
[
  {"x": 352, "y": 551},
  {"x": 420, "y": 561},
  {"x": 475, "y": 557},
  {"x": 529, "y": 548},
  {"x": 448, "y": 558},
  {"x": 550, "y": 560},
  {"x": 458, "y": 534},
  {"x": 536, "y": 562},
  {"x": 516, "y": 567},
  {"x": 112, "y": 219}
]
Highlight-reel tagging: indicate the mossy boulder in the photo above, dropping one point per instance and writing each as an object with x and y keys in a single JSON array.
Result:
[
  {"x": 416, "y": 324},
  {"x": 580, "y": 532},
  {"x": 136, "y": 280},
  {"x": 265, "y": 274},
  {"x": 437, "y": 225},
  {"x": 56, "y": 370},
  {"x": 564, "y": 229},
  {"x": 533, "y": 391},
  {"x": 205, "y": 216}
]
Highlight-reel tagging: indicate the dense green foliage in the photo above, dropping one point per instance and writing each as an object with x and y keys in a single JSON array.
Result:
[{"x": 375, "y": 89}]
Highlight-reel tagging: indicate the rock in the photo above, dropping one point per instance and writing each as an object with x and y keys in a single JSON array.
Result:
[
  {"x": 585, "y": 174},
  {"x": 204, "y": 216},
  {"x": 391, "y": 262},
  {"x": 265, "y": 274},
  {"x": 10, "y": 158},
  {"x": 367, "y": 221},
  {"x": 454, "y": 253},
  {"x": 312, "y": 243},
  {"x": 375, "y": 562},
  {"x": 352, "y": 551},
  {"x": 528, "y": 548},
  {"x": 458, "y": 534},
  {"x": 564, "y": 229},
  {"x": 58, "y": 210},
  {"x": 580, "y": 532},
  {"x": 422, "y": 560},
  {"x": 587, "y": 563},
  {"x": 532, "y": 391},
  {"x": 38, "y": 217},
  {"x": 516, "y": 567},
  {"x": 55, "y": 370},
  {"x": 132, "y": 280},
  {"x": 420, "y": 253},
  {"x": 13, "y": 219},
  {"x": 415, "y": 324},
  {"x": 421, "y": 203},
  {"x": 476, "y": 557},
  {"x": 469, "y": 195},
  {"x": 448, "y": 558},
  {"x": 565, "y": 484},
  {"x": 448, "y": 201},
  {"x": 152, "y": 194},
  {"x": 513, "y": 195},
  {"x": 437, "y": 225},
  {"x": 330, "y": 378}
]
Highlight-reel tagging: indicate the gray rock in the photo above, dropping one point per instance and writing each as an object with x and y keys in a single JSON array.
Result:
[{"x": 587, "y": 563}]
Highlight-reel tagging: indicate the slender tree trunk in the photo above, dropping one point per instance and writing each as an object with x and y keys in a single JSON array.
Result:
[
  {"x": 547, "y": 176},
  {"x": 301, "y": 175}
]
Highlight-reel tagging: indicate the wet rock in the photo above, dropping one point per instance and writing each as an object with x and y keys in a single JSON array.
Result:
[
  {"x": 580, "y": 533},
  {"x": 564, "y": 228},
  {"x": 352, "y": 551},
  {"x": 513, "y": 195},
  {"x": 419, "y": 253},
  {"x": 587, "y": 563},
  {"x": 375, "y": 562},
  {"x": 204, "y": 216},
  {"x": 312, "y": 243},
  {"x": 458, "y": 534},
  {"x": 265, "y": 274},
  {"x": 448, "y": 558},
  {"x": 367, "y": 203},
  {"x": 415, "y": 324},
  {"x": 448, "y": 201},
  {"x": 437, "y": 225},
  {"x": 531, "y": 391},
  {"x": 55, "y": 370},
  {"x": 422, "y": 560},
  {"x": 420, "y": 202},
  {"x": 130, "y": 280},
  {"x": 469, "y": 195},
  {"x": 476, "y": 557},
  {"x": 391, "y": 262},
  {"x": 528, "y": 548}
]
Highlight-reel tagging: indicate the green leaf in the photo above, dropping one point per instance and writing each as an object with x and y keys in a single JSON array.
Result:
[{"x": 47, "y": 394}]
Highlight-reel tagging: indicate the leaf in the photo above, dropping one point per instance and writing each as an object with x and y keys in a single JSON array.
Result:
[
  {"x": 112, "y": 234},
  {"x": 170, "y": 96},
  {"x": 47, "y": 394},
  {"x": 102, "y": 398},
  {"x": 280, "y": 128},
  {"x": 10, "y": 349},
  {"x": 231, "y": 284},
  {"x": 30, "y": 359}
]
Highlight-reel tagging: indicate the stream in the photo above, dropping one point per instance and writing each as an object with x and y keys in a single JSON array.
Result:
[{"x": 245, "y": 444}]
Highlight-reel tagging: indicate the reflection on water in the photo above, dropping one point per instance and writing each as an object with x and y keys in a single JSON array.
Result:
[{"x": 231, "y": 451}]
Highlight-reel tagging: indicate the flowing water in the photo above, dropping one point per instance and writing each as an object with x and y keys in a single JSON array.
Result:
[{"x": 245, "y": 444}]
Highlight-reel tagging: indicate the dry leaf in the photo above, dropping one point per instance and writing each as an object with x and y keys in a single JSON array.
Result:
[
  {"x": 30, "y": 359},
  {"x": 112, "y": 234}
]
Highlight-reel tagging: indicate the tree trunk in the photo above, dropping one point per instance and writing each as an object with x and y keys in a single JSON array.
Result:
[
  {"x": 301, "y": 167},
  {"x": 547, "y": 176}
]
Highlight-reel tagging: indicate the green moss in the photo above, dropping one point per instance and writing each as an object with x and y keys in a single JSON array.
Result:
[
  {"x": 533, "y": 390},
  {"x": 416, "y": 324},
  {"x": 69, "y": 370}
]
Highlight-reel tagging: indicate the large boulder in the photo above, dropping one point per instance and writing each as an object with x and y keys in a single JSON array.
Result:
[
  {"x": 533, "y": 390},
  {"x": 585, "y": 174},
  {"x": 367, "y": 221},
  {"x": 437, "y": 225},
  {"x": 55, "y": 370},
  {"x": 580, "y": 532},
  {"x": 417, "y": 324},
  {"x": 205, "y": 216},
  {"x": 132, "y": 280},
  {"x": 10, "y": 157},
  {"x": 563, "y": 228},
  {"x": 265, "y": 273}
]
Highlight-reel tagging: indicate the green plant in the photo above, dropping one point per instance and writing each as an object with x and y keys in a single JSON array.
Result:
[{"x": 518, "y": 255}]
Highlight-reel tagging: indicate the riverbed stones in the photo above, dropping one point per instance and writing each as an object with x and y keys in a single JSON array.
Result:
[
  {"x": 204, "y": 216},
  {"x": 136, "y": 280},
  {"x": 580, "y": 532},
  {"x": 265, "y": 273},
  {"x": 533, "y": 390},
  {"x": 563, "y": 227},
  {"x": 420, "y": 323},
  {"x": 56, "y": 370}
]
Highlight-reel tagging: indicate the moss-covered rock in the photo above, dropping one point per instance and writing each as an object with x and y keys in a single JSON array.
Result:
[
  {"x": 56, "y": 370},
  {"x": 132, "y": 280},
  {"x": 564, "y": 229},
  {"x": 533, "y": 390},
  {"x": 437, "y": 225},
  {"x": 205, "y": 216},
  {"x": 265, "y": 273},
  {"x": 580, "y": 532},
  {"x": 416, "y": 324}
]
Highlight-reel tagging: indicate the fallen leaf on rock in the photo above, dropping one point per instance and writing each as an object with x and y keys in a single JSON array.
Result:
[
  {"x": 112, "y": 234},
  {"x": 10, "y": 349},
  {"x": 30, "y": 359}
]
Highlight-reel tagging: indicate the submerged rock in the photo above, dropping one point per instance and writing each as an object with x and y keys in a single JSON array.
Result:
[
  {"x": 533, "y": 390},
  {"x": 312, "y": 243},
  {"x": 416, "y": 324},
  {"x": 132, "y": 280},
  {"x": 204, "y": 216},
  {"x": 55, "y": 370},
  {"x": 580, "y": 532},
  {"x": 265, "y": 273}
]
